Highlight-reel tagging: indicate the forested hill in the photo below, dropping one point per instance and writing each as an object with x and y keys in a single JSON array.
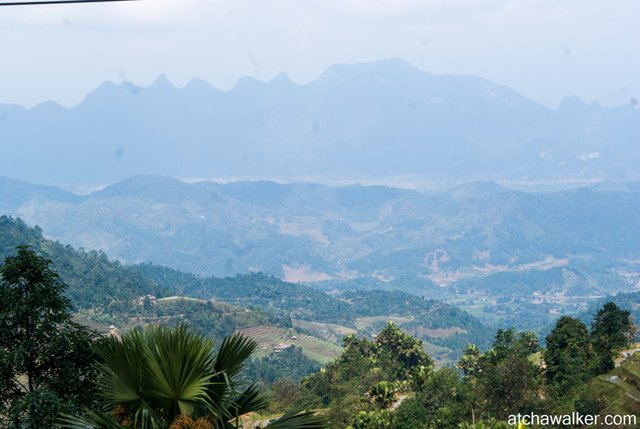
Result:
[
  {"x": 93, "y": 279},
  {"x": 256, "y": 289},
  {"x": 362, "y": 310},
  {"x": 477, "y": 238}
]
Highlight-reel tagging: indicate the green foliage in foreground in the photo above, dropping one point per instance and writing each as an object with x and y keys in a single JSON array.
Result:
[
  {"x": 368, "y": 374},
  {"x": 387, "y": 384},
  {"x": 160, "y": 377},
  {"x": 611, "y": 330},
  {"x": 568, "y": 355},
  {"x": 47, "y": 364},
  {"x": 157, "y": 377},
  {"x": 171, "y": 378}
]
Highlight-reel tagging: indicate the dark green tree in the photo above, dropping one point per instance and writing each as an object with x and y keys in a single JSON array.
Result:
[
  {"x": 611, "y": 331},
  {"x": 347, "y": 385},
  {"x": 445, "y": 399},
  {"x": 334, "y": 386},
  {"x": 407, "y": 351},
  {"x": 508, "y": 342},
  {"x": 47, "y": 363},
  {"x": 469, "y": 360},
  {"x": 568, "y": 355},
  {"x": 411, "y": 414},
  {"x": 508, "y": 380}
]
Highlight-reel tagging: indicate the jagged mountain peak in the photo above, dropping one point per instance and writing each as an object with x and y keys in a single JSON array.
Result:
[{"x": 357, "y": 120}]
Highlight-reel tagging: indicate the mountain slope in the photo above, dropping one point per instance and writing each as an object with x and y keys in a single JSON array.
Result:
[
  {"x": 476, "y": 237},
  {"x": 107, "y": 292},
  {"x": 92, "y": 279}
]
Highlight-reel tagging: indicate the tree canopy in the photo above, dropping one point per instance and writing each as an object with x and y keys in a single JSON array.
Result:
[
  {"x": 46, "y": 360},
  {"x": 568, "y": 355},
  {"x": 611, "y": 330}
]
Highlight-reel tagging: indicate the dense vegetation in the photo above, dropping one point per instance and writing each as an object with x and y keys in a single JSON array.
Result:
[
  {"x": 104, "y": 293},
  {"x": 93, "y": 280},
  {"x": 306, "y": 303},
  {"x": 47, "y": 364},
  {"x": 290, "y": 364},
  {"x": 294, "y": 300},
  {"x": 490, "y": 250},
  {"x": 398, "y": 387},
  {"x": 57, "y": 372},
  {"x": 427, "y": 315},
  {"x": 382, "y": 379}
]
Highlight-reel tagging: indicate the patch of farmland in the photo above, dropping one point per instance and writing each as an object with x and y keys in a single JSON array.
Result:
[{"x": 270, "y": 339}]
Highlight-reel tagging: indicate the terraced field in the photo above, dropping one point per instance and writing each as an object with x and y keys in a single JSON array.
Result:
[{"x": 268, "y": 337}]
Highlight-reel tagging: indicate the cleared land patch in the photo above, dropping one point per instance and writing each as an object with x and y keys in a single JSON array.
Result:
[{"x": 271, "y": 339}]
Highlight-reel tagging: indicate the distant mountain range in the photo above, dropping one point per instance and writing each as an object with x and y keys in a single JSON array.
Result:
[
  {"x": 364, "y": 120},
  {"x": 474, "y": 237}
]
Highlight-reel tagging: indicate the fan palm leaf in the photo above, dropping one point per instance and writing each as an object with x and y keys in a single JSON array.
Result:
[
  {"x": 179, "y": 369},
  {"x": 223, "y": 390},
  {"x": 298, "y": 419},
  {"x": 233, "y": 353},
  {"x": 170, "y": 378},
  {"x": 92, "y": 421},
  {"x": 157, "y": 373}
]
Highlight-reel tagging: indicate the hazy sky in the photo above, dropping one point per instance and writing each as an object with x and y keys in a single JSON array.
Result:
[{"x": 546, "y": 49}]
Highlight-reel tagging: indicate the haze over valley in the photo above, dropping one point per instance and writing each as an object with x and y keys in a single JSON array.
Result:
[
  {"x": 336, "y": 214},
  {"x": 479, "y": 245},
  {"x": 484, "y": 198}
]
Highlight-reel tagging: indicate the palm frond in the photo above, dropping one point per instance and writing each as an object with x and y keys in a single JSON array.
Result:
[
  {"x": 229, "y": 361},
  {"x": 145, "y": 415},
  {"x": 233, "y": 353},
  {"x": 248, "y": 401},
  {"x": 124, "y": 361},
  {"x": 179, "y": 368},
  {"x": 92, "y": 421},
  {"x": 298, "y": 418},
  {"x": 161, "y": 377}
]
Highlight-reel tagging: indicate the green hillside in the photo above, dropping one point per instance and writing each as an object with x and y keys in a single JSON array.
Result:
[
  {"x": 435, "y": 322},
  {"x": 93, "y": 279},
  {"x": 272, "y": 339},
  {"x": 510, "y": 258},
  {"x": 341, "y": 236},
  {"x": 107, "y": 292},
  {"x": 618, "y": 391}
]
